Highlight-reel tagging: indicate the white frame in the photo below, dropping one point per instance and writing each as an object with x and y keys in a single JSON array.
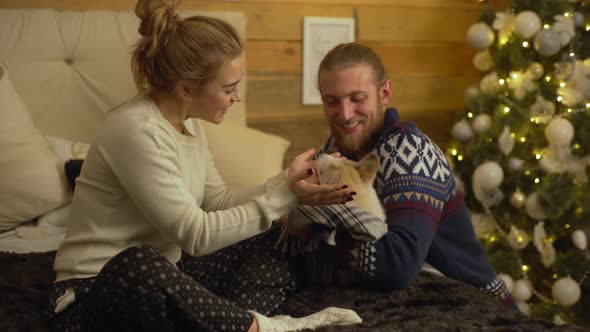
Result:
[{"x": 320, "y": 34}]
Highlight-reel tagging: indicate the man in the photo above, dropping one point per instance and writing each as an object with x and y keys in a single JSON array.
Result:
[{"x": 427, "y": 219}]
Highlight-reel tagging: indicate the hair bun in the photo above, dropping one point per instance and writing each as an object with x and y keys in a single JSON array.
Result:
[{"x": 157, "y": 17}]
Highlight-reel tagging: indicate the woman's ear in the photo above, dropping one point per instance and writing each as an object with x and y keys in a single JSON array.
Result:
[{"x": 185, "y": 90}]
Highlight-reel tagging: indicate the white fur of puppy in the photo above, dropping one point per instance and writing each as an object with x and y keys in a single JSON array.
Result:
[{"x": 359, "y": 176}]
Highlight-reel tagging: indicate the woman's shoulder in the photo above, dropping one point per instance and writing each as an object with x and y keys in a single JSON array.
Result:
[{"x": 136, "y": 118}]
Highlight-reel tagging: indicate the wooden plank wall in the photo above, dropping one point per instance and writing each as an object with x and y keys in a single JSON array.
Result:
[{"x": 422, "y": 43}]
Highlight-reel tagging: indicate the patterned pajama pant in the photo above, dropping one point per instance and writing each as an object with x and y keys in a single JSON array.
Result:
[{"x": 139, "y": 290}]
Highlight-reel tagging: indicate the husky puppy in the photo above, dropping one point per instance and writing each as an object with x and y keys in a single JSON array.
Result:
[{"x": 358, "y": 175}]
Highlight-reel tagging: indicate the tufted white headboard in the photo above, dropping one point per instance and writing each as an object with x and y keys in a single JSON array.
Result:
[{"x": 72, "y": 66}]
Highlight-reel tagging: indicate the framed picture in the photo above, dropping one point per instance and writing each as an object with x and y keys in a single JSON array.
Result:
[{"x": 320, "y": 34}]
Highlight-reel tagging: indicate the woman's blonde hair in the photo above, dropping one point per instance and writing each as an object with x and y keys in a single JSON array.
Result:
[
  {"x": 351, "y": 54},
  {"x": 173, "y": 49}
]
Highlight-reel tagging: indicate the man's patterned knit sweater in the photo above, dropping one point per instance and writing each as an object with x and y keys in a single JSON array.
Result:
[{"x": 427, "y": 221}]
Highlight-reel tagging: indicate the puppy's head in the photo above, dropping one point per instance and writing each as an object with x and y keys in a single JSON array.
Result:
[{"x": 342, "y": 170}]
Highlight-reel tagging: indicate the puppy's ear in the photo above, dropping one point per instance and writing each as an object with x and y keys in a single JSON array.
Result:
[{"x": 368, "y": 167}]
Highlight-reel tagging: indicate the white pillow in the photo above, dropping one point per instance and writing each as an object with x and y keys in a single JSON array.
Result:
[
  {"x": 67, "y": 149},
  {"x": 32, "y": 176},
  {"x": 245, "y": 157}
]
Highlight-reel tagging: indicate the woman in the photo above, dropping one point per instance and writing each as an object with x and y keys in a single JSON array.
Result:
[{"x": 149, "y": 190}]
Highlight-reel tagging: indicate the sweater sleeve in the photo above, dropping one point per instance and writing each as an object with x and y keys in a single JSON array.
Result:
[
  {"x": 146, "y": 163},
  {"x": 219, "y": 196},
  {"x": 414, "y": 183}
]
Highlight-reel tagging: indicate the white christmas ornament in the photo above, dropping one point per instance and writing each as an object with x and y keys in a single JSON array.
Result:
[
  {"x": 482, "y": 123},
  {"x": 558, "y": 157},
  {"x": 486, "y": 181},
  {"x": 488, "y": 175},
  {"x": 518, "y": 199},
  {"x": 579, "y": 239},
  {"x": 536, "y": 70},
  {"x": 508, "y": 281},
  {"x": 480, "y": 36},
  {"x": 564, "y": 69},
  {"x": 483, "y": 61},
  {"x": 517, "y": 238},
  {"x": 557, "y": 320},
  {"x": 533, "y": 208},
  {"x": 515, "y": 164},
  {"x": 522, "y": 290},
  {"x": 564, "y": 27},
  {"x": 566, "y": 291},
  {"x": 527, "y": 24},
  {"x": 523, "y": 307},
  {"x": 461, "y": 131},
  {"x": 470, "y": 93},
  {"x": 542, "y": 110},
  {"x": 578, "y": 19},
  {"x": 577, "y": 85},
  {"x": 559, "y": 132},
  {"x": 506, "y": 141},
  {"x": 504, "y": 24},
  {"x": 547, "y": 42},
  {"x": 490, "y": 84},
  {"x": 521, "y": 83},
  {"x": 482, "y": 223},
  {"x": 544, "y": 245}
]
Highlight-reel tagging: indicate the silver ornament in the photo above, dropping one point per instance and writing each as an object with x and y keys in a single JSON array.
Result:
[
  {"x": 518, "y": 199},
  {"x": 579, "y": 239},
  {"x": 506, "y": 141},
  {"x": 533, "y": 208},
  {"x": 526, "y": 24},
  {"x": 515, "y": 164},
  {"x": 579, "y": 19},
  {"x": 522, "y": 290},
  {"x": 470, "y": 93},
  {"x": 566, "y": 291},
  {"x": 483, "y": 61},
  {"x": 536, "y": 70},
  {"x": 461, "y": 131},
  {"x": 480, "y": 36},
  {"x": 547, "y": 42},
  {"x": 488, "y": 175},
  {"x": 517, "y": 239},
  {"x": 559, "y": 132},
  {"x": 482, "y": 123},
  {"x": 508, "y": 281}
]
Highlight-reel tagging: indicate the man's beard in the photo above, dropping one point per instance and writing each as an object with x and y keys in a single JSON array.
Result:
[{"x": 357, "y": 145}]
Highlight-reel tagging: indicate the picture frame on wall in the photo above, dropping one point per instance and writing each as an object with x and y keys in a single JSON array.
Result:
[{"x": 320, "y": 34}]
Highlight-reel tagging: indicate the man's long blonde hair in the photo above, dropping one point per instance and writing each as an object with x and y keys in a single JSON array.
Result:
[{"x": 351, "y": 54}]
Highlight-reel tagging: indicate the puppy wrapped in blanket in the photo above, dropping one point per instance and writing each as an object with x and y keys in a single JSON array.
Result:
[{"x": 363, "y": 217}]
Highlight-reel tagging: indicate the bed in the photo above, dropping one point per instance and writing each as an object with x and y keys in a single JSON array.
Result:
[{"x": 60, "y": 72}]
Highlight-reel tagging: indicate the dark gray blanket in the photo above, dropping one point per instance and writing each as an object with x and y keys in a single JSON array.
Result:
[{"x": 432, "y": 303}]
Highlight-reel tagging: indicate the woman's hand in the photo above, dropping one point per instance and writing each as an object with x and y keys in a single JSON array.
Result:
[{"x": 304, "y": 183}]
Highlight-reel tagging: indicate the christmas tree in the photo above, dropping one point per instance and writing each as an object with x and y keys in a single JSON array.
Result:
[{"x": 521, "y": 152}]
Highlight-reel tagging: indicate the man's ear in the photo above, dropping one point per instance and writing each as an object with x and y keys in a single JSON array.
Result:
[{"x": 385, "y": 92}]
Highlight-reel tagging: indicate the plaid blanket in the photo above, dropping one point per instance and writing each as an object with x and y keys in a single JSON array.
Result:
[{"x": 324, "y": 222}]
